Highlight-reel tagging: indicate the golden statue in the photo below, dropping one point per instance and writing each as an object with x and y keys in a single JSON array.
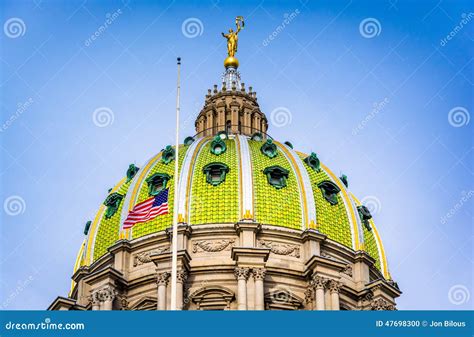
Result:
[{"x": 232, "y": 39}]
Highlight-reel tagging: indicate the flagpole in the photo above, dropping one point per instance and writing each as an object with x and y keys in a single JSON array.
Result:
[{"x": 174, "y": 258}]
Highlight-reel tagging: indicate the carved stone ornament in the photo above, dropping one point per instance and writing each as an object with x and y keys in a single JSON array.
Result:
[
  {"x": 106, "y": 294},
  {"x": 309, "y": 295},
  {"x": 348, "y": 270},
  {"x": 241, "y": 273},
  {"x": 280, "y": 248},
  {"x": 144, "y": 257},
  {"x": 334, "y": 286},
  {"x": 381, "y": 304},
  {"x": 259, "y": 273},
  {"x": 181, "y": 276},
  {"x": 318, "y": 282},
  {"x": 163, "y": 278},
  {"x": 212, "y": 246}
]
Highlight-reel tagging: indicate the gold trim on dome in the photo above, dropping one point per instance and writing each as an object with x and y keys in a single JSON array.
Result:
[
  {"x": 142, "y": 175},
  {"x": 77, "y": 264},
  {"x": 380, "y": 247},
  {"x": 94, "y": 226},
  {"x": 302, "y": 191},
  {"x": 347, "y": 202}
]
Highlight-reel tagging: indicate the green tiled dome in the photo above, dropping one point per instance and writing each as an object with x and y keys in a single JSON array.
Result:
[{"x": 292, "y": 193}]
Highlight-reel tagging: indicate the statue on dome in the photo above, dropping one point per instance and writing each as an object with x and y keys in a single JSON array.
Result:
[{"x": 232, "y": 37}]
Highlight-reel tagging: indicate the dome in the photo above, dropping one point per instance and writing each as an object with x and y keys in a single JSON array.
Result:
[
  {"x": 257, "y": 221},
  {"x": 254, "y": 178}
]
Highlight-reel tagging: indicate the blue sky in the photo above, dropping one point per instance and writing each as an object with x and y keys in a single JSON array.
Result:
[{"x": 376, "y": 88}]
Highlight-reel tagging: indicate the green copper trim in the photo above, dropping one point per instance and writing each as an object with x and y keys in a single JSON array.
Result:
[
  {"x": 218, "y": 146},
  {"x": 157, "y": 182},
  {"x": 168, "y": 155},
  {"x": 112, "y": 202},
  {"x": 313, "y": 161},
  {"x": 329, "y": 191},
  {"x": 215, "y": 173},
  {"x": 269, "y": 149},
  {"x": 276, "y": 176}
]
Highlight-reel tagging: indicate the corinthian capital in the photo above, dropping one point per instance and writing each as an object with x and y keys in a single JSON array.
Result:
[
  {"x": 334, "y": 286},
  {"x": 107, "y": 293},
  {"x": 94, "y": 298},
  {"x": 318, "y": 282},
  {"x": 241, "y": 273},
  {"x": 163, "y": 278},
  {"x": 181, "y": 276},
  {"x": 259, "y": 273}
]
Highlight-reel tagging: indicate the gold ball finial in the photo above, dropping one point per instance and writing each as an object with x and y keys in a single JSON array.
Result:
[{"x": 231, "y": 62}]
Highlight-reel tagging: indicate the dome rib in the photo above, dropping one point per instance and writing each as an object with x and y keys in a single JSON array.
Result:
[
  {"x": 186, "y": 174},
  {"x": 378, "y": 241},
  {"x": 304, "y": 184},
  {"x": 245, "y": 178}
]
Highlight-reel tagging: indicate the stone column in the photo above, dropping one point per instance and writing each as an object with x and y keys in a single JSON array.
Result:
[
  {"x": 180, "y": 281},
  {"x": 259, "y": 276},
  {"x": 162, "y": 281},
  {"x": 95, "y": 300},
  {"x": 334, "y": 287},
  {"x": 319, "y": 284},
  {"x": 108, "y": 296},
  {"x": 242, "y": 275}
]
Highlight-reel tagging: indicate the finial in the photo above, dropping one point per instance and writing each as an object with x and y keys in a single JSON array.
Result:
[
  {"x": 233, "y": 86},
  {"x": 179, "y": 60},
  {"x": 232, "y": 38},
  {"x": 215, "y": 88},
  {"x": 223, "y": 86},
  {"x": 242, "y": 87}
]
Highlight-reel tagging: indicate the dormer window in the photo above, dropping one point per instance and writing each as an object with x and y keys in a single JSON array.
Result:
[
  {"x": 157, "y": 183},
  {"x": 365, "y": 216},
  {"x": 215, "y": 173},
  {"x": 269, "y": 149},
  {"x": 132, "y": 170},
  {"x": 112, "y": 202},
  {"x": 329, "y": 191},
  {"x": 313, "y": 161},
  {"x": 218, "y": 146},
  {"x": 167, "y": 155},
  {"x": 276, "y": 176}
]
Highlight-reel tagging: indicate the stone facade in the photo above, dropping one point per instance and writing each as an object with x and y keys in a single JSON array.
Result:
[{"x": 244, "y": 266}]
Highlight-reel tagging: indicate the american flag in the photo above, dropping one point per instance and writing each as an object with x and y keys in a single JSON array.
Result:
[{"x": 148, "y": 209}]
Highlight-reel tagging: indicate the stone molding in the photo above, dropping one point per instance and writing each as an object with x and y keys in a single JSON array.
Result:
[
  {"x": 280, "y": 248},
  {"x": 144, "y": 257},
  {"x": 318, "y": 282},
  {"x": 381, "y": 304},
  {"x": 213, "y": 246}
]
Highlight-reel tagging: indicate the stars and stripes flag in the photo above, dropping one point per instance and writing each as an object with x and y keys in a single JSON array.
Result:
[{"x": 148, "y": 209}]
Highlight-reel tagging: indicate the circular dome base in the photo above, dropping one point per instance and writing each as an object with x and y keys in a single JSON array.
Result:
[{"x": 231, "y": 62}]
